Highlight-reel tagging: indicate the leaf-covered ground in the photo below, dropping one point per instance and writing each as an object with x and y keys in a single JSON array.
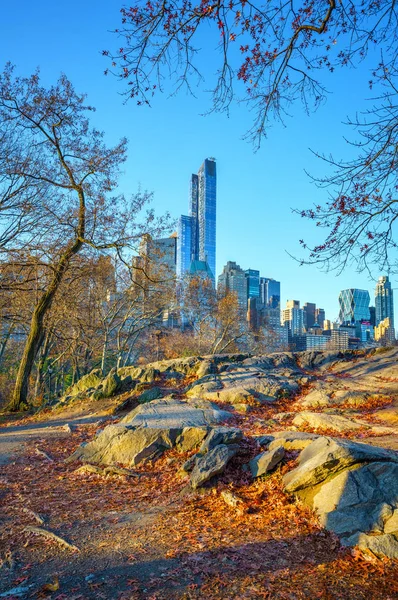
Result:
[{"x": 150, "y": 537}]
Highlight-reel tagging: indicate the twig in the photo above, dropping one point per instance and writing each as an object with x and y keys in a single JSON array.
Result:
[
  {"x": 44, "y": 455},
  {"x": 34, "y": 515},
  {"x": 52, "y": 536}
]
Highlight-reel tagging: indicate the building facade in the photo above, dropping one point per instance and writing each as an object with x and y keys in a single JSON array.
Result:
[
  {"x": 384, "y": 333},
  {"x": 184, "y": 245},
  {"x": 384, "y": 304},
  {"x": 270, "y": 292},
  {"x": 233, "y": 279},
  {"x": 309, "y": 309},
  {"x": 253, "y": 283},
  {"x": 293, "y": 318},
  {"x": 354, "y": 306},
  {"x": 197, "y": 232}
]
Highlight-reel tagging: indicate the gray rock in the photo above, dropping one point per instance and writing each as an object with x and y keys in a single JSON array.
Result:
[
  {"x": 221, "y": 435},
  {"x": 353, "y": 488},
  {"x": 189, "y": 464},
  {"x": 202, "y": 387},
  {"x": 147, "y": 431},
  {"x": 128, "y": 446},
  {"x": 326, "y": 421},
  {"x": 177, "y": 414},
  {"x": 325, "y": 456},
  {"x": 148, "y": 395},
  {"x": 111, "y": 384},
  {"x": 91, "y": 380},
  {"x": 317, "y": 397},
  {"x": 358, "y": 500},
  {"x": 149, "y": 375},
  {"x": 213, "y": 463},
  {"x": 206, "y": 367},
  {"x": 263, "y": 440},
  {"x": 381, "y": 545},
  {"x": 292, "y": 440},
  {"x": 266, "y": 461},
  {"x": 191, "y": 437}
]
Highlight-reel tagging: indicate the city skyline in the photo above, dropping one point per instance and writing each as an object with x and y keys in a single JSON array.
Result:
[{"x": 256, "y": 190}]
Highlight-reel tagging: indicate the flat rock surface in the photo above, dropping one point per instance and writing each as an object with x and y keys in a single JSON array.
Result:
[
  {"x": 176, "y": 414},
  {"x": 326, "y": 421}
]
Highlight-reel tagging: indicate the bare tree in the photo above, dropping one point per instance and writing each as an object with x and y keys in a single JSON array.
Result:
[
  {"x": 270, "y": 55},
  {"x": 65, "y": 179}
]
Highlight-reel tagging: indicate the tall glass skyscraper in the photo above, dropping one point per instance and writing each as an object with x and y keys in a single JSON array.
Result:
[
  {"x": 384, "y": 301},
  {"x": 354, "y": 306},
  {"x": 207, "y": 213},
  {"x": 200, "y": 242},
  {"x": 253, "y": 283},
  {"x": 184, "y": 244},
  {"x": 270, "y": 292}
]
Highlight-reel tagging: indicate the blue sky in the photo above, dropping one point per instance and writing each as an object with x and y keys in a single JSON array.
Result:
[{"x": 168, "y": 142}]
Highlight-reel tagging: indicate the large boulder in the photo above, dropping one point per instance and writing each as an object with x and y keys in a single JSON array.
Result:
[
  {"x": 211, "y": 464},
  {"x": 353, "y": 488},
  {"x": 266, "y": 461},
  {"x": 206, "y": 367},
  {"x": 326, "y": 456},
  {"x": 91, "y": 380},
  {"x": 176, "y": 414},
  {"x": 147, "y": 431},
  {"x": 126, "y": 445},
  {"x": 221, "y": 436},
  {"x": 153, "y": 393},
  {"x": 241, "y": 383}
]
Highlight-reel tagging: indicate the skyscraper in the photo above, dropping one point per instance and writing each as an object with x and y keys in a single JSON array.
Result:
[
  {"x": 354, "y": 306},
  {"x": 293, "y": 317},
  {"x": 270, "y": 292},
  {"x": 309, "y": 310},
  {"x": 384, "y": 301},
  {"x": 253, "y": 283},
  {"x": 186, "y": 225},
  {"x": 233, "y": 279},
  {"x": 207, "y": 181},
  {"x": 197, "y": 233}
]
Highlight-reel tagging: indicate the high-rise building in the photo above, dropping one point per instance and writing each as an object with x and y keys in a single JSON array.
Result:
[
  {"x": 184, "y": 244},
  {"x": 320, "y": 316},
  {"x": 197, "y": 232},
  {"x": 207, "y": 183},
  {"x": 354, "y": 306},
  {"x": 233, "y": 279},
  {"x": 384, "y": 333},
  {"x": 253, "y": 283},
  {"x": 160, "y": 252},
  {"x": 270, "y": 292},
  {"x": 292, "y": 317},
  {"x": 309, "y": 309},
  {"x": 384, "y": 303}
]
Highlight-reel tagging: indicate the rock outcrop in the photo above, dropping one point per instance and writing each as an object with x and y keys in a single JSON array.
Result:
[
  {"x": 150, "y": 429},
  {"x": 354, "y": 489}
]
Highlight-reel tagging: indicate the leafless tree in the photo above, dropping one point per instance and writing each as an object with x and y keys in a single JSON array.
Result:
[{"x": 64, "y": 177}]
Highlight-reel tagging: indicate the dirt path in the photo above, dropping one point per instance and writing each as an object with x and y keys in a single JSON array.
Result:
[{"x": 14, "y": 438}]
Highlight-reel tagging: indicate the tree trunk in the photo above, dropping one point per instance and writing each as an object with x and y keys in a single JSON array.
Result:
[
  {"x": 40, "y": 365},
  {"x": 36, "y": 334},
  {"x": 104, "y": 350},
  {"x": 5, "y": 340},
  {"x": 32, "y": 345}
]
